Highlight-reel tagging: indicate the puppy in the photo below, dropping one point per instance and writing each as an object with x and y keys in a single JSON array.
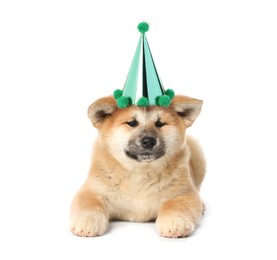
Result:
[{"x": 143, "y": 168}]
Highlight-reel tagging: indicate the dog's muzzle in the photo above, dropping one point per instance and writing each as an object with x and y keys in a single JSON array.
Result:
[{"x": 145, "y": 149}]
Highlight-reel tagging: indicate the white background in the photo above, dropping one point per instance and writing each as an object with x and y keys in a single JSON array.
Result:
[{"x": 56, "y": 57}]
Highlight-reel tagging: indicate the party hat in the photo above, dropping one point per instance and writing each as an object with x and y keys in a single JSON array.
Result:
[{"x": 143, "y": 86}]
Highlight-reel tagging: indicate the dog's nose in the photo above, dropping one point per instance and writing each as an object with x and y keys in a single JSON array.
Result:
[{"x": 148, "y": 142}]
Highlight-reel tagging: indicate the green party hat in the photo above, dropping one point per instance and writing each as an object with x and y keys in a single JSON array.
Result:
[{"x": 143, "y": 86}]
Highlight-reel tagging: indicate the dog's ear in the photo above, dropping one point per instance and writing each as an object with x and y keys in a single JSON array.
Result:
[
  {"x": 187, "y": 108},
  {"x": 100, "y": 109}
]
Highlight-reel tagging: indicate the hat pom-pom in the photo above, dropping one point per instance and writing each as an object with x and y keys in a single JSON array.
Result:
[
  {"x": 143, "y": 102},
  {"x": 163, "y": 101},
  {"x": 117, "y": 94},
  {"x": 170, "y": 93},
  {"x": 123, "y": 102},
  {"x": 143, "y": 27}
]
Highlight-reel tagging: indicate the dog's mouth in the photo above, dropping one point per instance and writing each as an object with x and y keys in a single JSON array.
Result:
[
  {"x": 146, "y": 148},
  {"x": 144, "y": 156}
]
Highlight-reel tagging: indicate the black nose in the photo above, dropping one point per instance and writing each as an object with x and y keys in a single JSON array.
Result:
[{"x": 148, "y": 142}]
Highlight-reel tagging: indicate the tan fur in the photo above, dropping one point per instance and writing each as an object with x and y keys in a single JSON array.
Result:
[{"x": 163, "y": 189}]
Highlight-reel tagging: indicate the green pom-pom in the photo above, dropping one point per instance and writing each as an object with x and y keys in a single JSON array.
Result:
[
  {"x": 157, "y": 100},
  {"x": 123, "y": 102},
  {"x": 117, "y": 94},
  {"x": 164, "y": 101},
  {"x": 143, "y": 27},
  {"x": 170, "y": 93},
  {"x": 143, "y": 102}
]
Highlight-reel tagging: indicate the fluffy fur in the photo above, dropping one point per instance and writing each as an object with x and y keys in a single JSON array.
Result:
[{"x": 143, "y": 168}]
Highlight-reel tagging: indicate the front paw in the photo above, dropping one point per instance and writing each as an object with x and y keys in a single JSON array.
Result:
[
  {"x": 174, "y": 226},
  {"x": 89, "y": 224}
]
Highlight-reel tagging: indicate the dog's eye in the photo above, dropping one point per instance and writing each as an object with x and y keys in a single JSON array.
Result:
[
  {"x": 159, "y": 124},
  {"x": 133, "y": 123}
]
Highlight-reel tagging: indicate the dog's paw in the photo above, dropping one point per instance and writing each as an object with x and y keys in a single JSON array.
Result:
[
  {"x": 174, "y": 226},
  {"x": 89, "y": 224}
]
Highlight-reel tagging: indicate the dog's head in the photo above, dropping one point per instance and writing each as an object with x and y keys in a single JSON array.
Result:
[{"x": 143, "y": 134}]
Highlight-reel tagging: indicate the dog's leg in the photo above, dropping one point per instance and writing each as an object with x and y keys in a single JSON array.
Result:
[
  {"x": 179, "y": 216},
  {"x": 197, "y": 163},
  {"x": 89, "y": 217}
]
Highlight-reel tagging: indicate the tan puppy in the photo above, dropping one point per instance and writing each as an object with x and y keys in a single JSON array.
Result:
[{"x": 143, "y": 168}]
